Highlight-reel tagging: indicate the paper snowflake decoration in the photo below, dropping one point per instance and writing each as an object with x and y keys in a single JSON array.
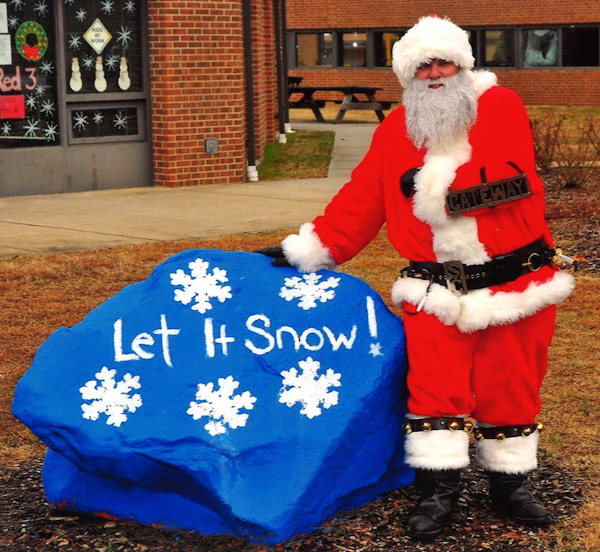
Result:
[
  {"x": 41, "y": 8},
  {"x": 88, "y": 62},
  {"x": 309, "y": 388},
  {"x": 40, "y": 89},
  {"x": 80, "y": 121},
  {"x": 50, "y": 132},
  {"x": 30, "y": 102},
  {"x": 6, "y": 129},
  {"x": 221, "y": 406},
  {"x": 124, "y": 36},
  {"x": 31, "y": 127},
  {"x": 98, "y": 117},
  {"x": 68, "y": 2},
  {"x": 120, "y": 121},
  {"x": 107, "y": 6},
  {"x": 112, "y": 62},
  {"x": 80, "y": 15},
  {"x": 13, "y": 22},
  {"x": 309, "y": 290},
  {"x": 17, "y": 4},
  {"x": 74, "y": 42},
  {"x": 46, "y": 67},
  {"x": 201, "y": 286},
  {"x": 47, "y": 107},
  {"x": 110, "y": 397},
  {"x": 129, "y": 6}
]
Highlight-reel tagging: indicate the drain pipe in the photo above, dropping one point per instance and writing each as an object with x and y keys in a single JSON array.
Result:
[
  {"x": 281, "y": 76},
  {"x": 284, "y": 57},
  {"x": 251, "y": 172}
]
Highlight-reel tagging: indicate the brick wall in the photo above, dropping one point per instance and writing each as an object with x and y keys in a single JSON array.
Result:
[
  {"x": 547, "y": 86},
  {"x": 198, "y": 88},
  {"x": 318, "y": 14}
]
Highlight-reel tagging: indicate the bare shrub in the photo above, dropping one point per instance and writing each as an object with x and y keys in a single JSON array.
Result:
[{"x": 567, "y": 150}]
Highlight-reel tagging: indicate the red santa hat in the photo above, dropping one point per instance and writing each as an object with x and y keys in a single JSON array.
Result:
[{"x": 431, "y": 38}]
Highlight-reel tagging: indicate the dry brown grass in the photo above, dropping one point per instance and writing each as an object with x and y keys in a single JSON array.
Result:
[{"x": 40, "y": 294}]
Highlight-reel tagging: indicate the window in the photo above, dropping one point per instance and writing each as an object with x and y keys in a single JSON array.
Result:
[
  {"x": 384, "y": 42},
  {"x": 540, "y": 47},
  {"x": 354, "y": 49},
  {"x": 498, "y": 48},
  {"x": 29, "y": 112},
  {"x": 581, "y": 47},
  {"x": 314, "y": 50}
]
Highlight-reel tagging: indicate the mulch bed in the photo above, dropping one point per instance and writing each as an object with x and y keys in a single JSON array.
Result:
[{"x": 29, "y": 523}]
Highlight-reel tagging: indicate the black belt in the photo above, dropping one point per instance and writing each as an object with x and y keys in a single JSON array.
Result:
[{"x": 499, "y": 270}]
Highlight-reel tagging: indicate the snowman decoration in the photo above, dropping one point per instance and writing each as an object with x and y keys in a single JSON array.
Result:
[
  {"x": 124, "y": 80},
  {"x": 75, "y": 83},
  {"x": 100, "y": 82}
]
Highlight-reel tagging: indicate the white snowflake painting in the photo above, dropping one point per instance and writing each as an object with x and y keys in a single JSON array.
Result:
[
  {"x": 309, "y": 388},
  {"x": 221, "y": 405},
  {"x": 201, "y": 285},
  {"x": 309, "y": 290},
  {"x": 110, "y": 397}
]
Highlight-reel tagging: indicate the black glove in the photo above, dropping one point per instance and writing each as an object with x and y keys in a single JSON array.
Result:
[{"x": 276, "y": 254}]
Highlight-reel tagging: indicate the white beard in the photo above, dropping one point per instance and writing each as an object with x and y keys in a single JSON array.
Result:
[{"x": 434, "y": 115}]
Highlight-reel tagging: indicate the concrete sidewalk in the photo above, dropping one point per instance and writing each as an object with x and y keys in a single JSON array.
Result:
[{"x": 34, "y": 225}]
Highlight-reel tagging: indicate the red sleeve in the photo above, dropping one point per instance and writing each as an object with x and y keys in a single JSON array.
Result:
[{"x": 355, "y": 215}]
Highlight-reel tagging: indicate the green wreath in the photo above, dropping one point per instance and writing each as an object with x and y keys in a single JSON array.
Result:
[{"x": 31, "y": 53}]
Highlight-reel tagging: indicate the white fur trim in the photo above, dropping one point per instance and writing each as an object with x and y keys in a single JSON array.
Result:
[
  {"x": 459, "y": 240},
  {"x": 513, "y": 455},
  {"x": 306, "y": 251},
  {"x": 482, "y": 81},
  {"x": 437, "y": 450},
  {"x": 431, "y": 38},
  {"x": 481, "y": 308},
  {"x": 436, "y": 176}
]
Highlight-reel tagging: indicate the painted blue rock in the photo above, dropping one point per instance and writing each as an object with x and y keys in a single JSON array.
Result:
[{"x": 223, "y": 395}]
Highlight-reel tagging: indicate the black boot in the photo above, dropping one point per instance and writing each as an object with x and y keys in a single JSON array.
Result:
[
  {"x": 510, "y": 497},
  {"x": 438, "y": 494}
]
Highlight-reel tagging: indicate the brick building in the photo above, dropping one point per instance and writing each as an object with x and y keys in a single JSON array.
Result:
[
  {"x": 548, "y": 51},
  {"x": 98, "y": 94}
]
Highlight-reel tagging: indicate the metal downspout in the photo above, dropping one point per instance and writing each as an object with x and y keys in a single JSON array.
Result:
[
  {"x": 251, "y": 172},
  {"x": 284, "y": 57},
  {"x": 281, "y": 77}
]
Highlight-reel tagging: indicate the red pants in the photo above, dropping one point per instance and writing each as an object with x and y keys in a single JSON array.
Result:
[{"x": 494, "y": 374}]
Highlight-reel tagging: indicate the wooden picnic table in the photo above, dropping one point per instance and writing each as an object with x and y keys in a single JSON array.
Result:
[{"x": 350, "y": 101}]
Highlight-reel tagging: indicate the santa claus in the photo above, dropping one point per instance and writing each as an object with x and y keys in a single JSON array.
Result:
[{"x": 452, "y": 175}]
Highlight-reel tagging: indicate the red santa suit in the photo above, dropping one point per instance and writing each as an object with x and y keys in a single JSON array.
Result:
[{"x": 482, "y": 353}]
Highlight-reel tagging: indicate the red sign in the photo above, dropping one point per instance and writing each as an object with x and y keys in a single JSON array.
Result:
[{"x": 12, "y": 107}]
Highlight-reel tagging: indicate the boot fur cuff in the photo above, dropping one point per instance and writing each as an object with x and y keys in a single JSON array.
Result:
[
  {"x": 437, "y": 450},
  {"x": 513, "y": 455}
]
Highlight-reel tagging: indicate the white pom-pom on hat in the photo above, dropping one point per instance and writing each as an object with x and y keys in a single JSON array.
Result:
[{"x": 431, "y": 38}]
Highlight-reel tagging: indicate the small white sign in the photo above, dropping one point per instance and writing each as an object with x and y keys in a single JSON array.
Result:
[
  {"x": 3, "y": 19},
  {"x": 5, "y": 51},
  {"x": 97, "y": 36}
]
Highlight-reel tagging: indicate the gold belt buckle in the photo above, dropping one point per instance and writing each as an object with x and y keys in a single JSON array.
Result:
[{"x": 454, "y": 272}]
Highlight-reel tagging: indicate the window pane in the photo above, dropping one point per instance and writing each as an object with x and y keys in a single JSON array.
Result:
[
  {"x": 354, "y": 49},
  {"x": 499, "y": 48},
  {"x": 314, "y": 49},
  {"x": 103, "y": 46},
  {"x": 540, "y": 48},
  {"x": 29, "y": 114},
  {"x": 473, "y": 43},
  {"x": 102, "y": 122},
  {"x": 384, "y": 41},
  {"x": 581, "y": 47}
]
